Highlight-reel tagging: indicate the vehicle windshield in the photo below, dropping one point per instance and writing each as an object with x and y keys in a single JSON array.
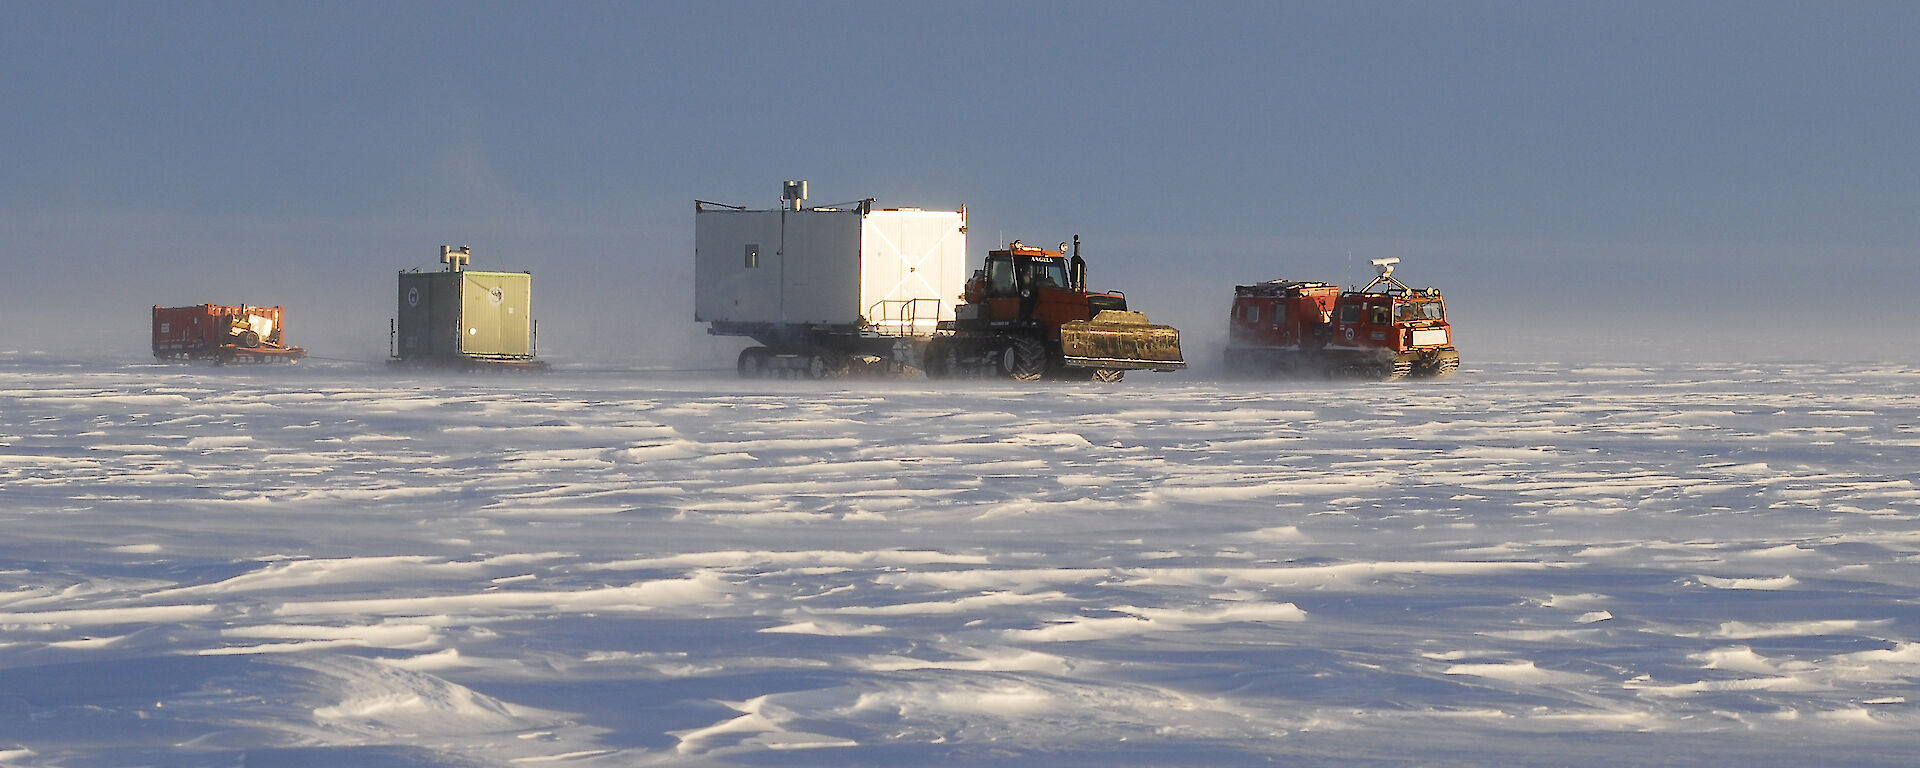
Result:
[
  {"x": 1047, "y": 272},
  {"x": 1430, "y": 309}
]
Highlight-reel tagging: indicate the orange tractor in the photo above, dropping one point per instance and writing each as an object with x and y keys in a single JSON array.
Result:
[
  {"x": 1384, "y": 331},
  {"x": 1028, "y": 315}
]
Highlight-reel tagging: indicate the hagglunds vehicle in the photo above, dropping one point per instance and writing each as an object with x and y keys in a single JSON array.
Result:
[{"x": 1384, "y": 331}]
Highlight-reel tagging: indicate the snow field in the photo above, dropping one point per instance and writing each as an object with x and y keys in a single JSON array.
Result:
[{"x": 339, "y": 566}]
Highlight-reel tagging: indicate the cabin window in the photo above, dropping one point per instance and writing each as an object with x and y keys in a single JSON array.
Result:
[
  {"x": 1250, "y": 313},
  {"x": 1349, "y": 314},
  {"x": 1000, "y": 278},
  {"x": 753, "y": 255},
  {"x": 1279, "y": 314},
  {"x": 1381, "y": 315}
]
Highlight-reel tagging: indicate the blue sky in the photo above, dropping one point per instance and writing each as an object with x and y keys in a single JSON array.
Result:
[{"x": 1683, "y": 179}]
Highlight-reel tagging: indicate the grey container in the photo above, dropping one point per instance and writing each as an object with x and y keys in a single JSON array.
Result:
[{"x": 465, "y": 314}]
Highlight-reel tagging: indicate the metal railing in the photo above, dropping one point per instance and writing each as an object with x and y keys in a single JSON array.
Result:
[{"x": 903, "y": 317}]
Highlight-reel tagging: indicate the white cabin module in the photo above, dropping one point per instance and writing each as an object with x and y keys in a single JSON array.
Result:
[{"x": 894, "y": 271}]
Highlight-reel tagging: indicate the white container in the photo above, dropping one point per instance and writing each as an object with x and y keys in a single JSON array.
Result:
[{"x": 894, "y": 272}]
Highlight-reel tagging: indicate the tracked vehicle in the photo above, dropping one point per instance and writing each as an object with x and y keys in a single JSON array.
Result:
[
  {"x": 1384, "y": 331},
  {"x": 223, "y": 335},
  {"x": 1029, "y": 315}
]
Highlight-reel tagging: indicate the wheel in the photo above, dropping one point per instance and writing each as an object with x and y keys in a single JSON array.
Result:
[
  {"x": 933, "y": 359},
  {"x": 823, "y": 364},
  {"x": 752, "y": 363},
  {"x": 1026, "y": 360},
  {"x": 1108, "y": 374}
]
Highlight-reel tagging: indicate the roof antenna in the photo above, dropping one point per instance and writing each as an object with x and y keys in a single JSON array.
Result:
[
  {"x": 1384, "y": 267},
  {"x": 456, "y": 257}
]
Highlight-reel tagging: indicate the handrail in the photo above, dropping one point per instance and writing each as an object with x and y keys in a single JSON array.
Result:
[{"x": 902, "y": 317}]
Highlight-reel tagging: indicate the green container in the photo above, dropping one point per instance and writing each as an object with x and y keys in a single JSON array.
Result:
[{"x": 465, "y": 314}]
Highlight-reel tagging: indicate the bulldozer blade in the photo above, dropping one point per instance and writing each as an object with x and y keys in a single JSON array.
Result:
[{"x": 1120, "y": 340}]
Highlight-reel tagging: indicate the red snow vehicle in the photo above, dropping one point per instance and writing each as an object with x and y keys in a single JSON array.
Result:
[
  {"x": 1384, "y": 331},
  {"x": 222, "y": 334}
]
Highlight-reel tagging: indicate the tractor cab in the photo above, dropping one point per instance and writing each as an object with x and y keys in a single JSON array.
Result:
[
  {"x": 1018, "y": 269},
  {"x": 1027, "y": 286}
]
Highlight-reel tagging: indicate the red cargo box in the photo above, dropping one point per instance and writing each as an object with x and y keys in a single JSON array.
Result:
[{"x": 222, "y": 334}]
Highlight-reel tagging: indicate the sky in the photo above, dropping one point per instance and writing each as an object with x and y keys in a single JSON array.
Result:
[{"x": 1692, "y": 180}]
